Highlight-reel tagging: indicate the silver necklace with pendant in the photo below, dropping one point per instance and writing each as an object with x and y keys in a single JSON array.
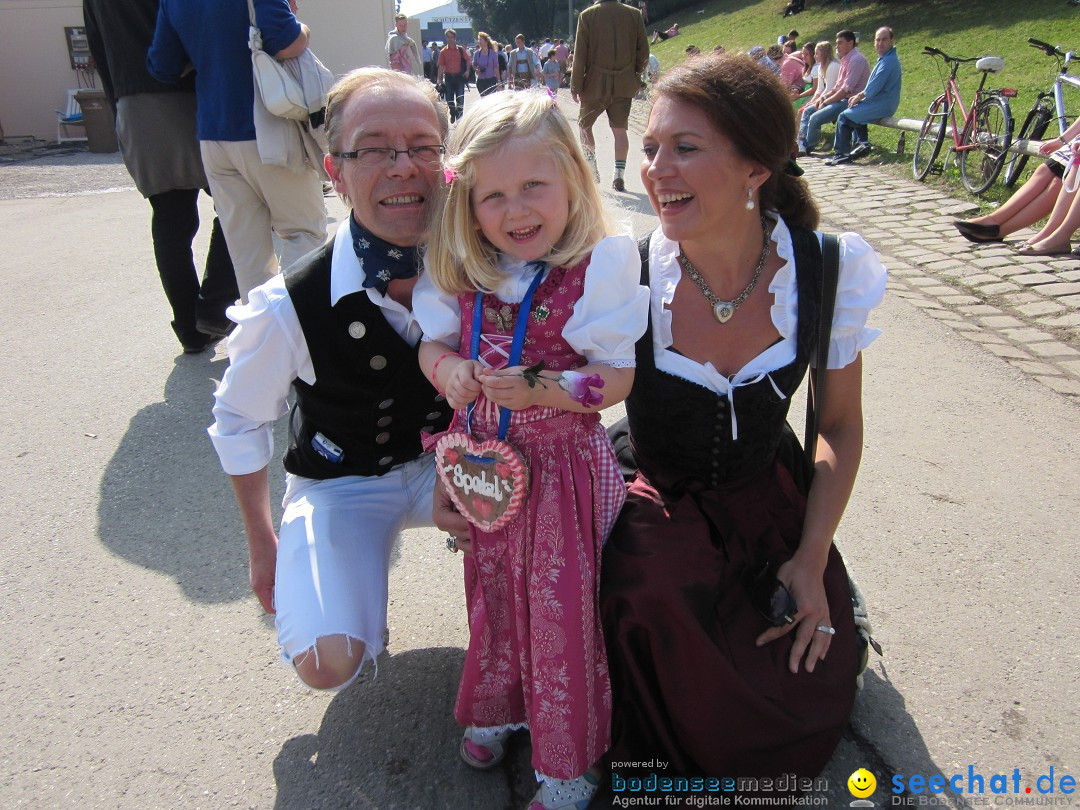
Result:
[{"x": 723, "y": 310}]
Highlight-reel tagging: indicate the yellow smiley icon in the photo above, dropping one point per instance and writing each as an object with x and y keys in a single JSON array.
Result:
[{"x": 861, "y": 783}]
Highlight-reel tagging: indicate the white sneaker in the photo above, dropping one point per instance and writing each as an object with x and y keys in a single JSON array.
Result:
[
  {"x": 590, "y": 158},
  {"x": 565, "y": 794}
]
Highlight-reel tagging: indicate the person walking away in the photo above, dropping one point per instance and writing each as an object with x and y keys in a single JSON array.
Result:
[
  {"x": 610, "y": 51},
  {"x": 254, "y": 199},
  {"x": 521, "y": 246},
  {"x": 156, "y": 129}
]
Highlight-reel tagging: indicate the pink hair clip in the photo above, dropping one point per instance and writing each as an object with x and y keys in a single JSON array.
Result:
[
  {"x": 449, "y": 174},
  {"x": 554, "y": 98}
]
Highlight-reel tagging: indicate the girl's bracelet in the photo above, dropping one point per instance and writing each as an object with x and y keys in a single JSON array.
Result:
[{"x": 435, "y": 370}]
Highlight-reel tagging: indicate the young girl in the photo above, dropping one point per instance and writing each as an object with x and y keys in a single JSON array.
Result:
[{"x": 521, "y": 236}]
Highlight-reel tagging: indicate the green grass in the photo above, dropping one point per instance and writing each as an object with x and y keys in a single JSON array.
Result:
[{"x": 960, "y": 28}]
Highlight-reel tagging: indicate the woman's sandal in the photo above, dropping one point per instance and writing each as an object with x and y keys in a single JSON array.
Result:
[
  {"x": 483, "y": 749},
  {"x": 1027, "y": 249},
  {"x": 566, "y": 794}
]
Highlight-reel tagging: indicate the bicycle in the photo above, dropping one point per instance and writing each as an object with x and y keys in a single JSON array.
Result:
[
  {"x": 1041, "y": 114},
  {"x": 987, "y": 126}
]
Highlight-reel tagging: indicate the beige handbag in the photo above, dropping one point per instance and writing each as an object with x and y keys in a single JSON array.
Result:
[{"x": 280, "y": 91}]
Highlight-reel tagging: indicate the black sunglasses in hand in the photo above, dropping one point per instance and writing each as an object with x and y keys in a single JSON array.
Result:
[{"x": 771, "y": 598}]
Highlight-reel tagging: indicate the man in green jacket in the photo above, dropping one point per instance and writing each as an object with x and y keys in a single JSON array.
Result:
[{"x": 611, "y": 49}]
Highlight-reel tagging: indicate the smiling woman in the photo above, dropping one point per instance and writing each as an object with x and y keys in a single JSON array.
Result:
[{"x": 726, "y": 608}]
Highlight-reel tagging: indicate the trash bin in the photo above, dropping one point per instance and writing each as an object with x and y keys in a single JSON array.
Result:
[{"x": 99, "y": 121}]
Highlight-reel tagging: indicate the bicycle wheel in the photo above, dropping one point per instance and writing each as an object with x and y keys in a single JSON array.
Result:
[
  {"x": 991, "y": 135},
  {"x": 931, "y": 136},
  {"x": 1038, "y": 119}
]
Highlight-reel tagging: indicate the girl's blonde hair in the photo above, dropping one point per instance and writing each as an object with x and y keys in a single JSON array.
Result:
[
  {"x": 826, "y": 48},
  {"x": 459, "y": 258}
]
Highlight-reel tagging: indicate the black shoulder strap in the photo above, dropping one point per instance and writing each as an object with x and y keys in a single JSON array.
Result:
[
  {"x": 830, "y": 274},
  {"x": 643, "y": 251}
]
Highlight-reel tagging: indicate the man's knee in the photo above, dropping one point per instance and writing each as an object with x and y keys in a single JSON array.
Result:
[{"x": 334, "y": 662}]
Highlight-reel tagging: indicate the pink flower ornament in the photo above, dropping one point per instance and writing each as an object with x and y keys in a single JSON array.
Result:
[
  {"x": 580, "y": 387},
  {"x": 449, "y": 174}
]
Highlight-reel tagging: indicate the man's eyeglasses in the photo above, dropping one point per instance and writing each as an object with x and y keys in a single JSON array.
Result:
[{"x": 426, "y": 156}]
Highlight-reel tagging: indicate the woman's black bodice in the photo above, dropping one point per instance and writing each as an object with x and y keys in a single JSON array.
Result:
[{"x": 684, "y": 429}]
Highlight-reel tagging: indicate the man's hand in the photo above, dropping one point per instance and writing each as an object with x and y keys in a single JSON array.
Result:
[
  {"x": 856, "y": 99},
  {"x": 575, "y": 97},
  {"x": 253, "y": 497},
  {"x": 262, "y": 558},
  {"x": 447, "y": 518}
]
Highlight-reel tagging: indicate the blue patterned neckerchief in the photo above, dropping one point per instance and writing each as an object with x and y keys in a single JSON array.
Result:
[{"x": 381, "y": 261}]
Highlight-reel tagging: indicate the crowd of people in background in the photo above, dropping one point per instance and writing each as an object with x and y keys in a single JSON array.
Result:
[{"x": 489, "y": 65}]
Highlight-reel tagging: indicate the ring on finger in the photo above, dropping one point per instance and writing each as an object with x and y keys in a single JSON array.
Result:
[
  {"x": 451, "y": 545},
  {"x": 824, "y": 628}
]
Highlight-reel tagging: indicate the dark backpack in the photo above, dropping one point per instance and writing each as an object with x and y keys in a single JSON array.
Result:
[{"x": 467, "y": 71}]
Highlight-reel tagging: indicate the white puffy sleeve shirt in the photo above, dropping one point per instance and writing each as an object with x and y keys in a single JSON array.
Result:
[
  {"x": 860, "y": 288},
  {"x": 608, "y": 319}
]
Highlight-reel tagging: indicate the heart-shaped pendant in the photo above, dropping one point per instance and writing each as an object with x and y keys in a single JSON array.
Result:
[
  {"x": 487, "y": 481},
  {"x": 723, "y": 310}
]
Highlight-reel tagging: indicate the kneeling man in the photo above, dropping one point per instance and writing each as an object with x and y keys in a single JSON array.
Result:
[{"x": 338, "y": 329}]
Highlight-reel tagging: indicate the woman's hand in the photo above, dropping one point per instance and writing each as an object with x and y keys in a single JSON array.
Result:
[
  {"x": 1050, "y": 146},
  {"x": 807, "y": 586},
  {"x": 839, "y": 449}
]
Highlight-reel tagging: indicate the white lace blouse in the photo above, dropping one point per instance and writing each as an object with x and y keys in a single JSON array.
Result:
[
  {"x": 608, "y": 319},
  {"x": 860, "y": 288}
]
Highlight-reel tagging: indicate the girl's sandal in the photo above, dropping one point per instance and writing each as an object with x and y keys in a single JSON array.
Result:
[
  {"x": 566, "y": 794},
  {"x": 483, "y": 749}
]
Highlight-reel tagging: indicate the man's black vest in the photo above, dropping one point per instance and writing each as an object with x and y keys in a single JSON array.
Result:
[{"x": 369, "y": 397}]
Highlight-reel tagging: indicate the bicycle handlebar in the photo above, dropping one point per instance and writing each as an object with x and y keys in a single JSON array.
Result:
[
  {"x": 1045, "y": 47},
  {"x": 928, "y": 51}
]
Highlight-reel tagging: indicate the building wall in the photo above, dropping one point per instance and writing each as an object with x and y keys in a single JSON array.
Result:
[
  {"x": 37, "y": 72},
  {"x": 436, "y": 20}
]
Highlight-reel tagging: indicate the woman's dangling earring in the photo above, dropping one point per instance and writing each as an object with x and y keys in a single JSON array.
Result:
[{"x": 749, "y": 199}]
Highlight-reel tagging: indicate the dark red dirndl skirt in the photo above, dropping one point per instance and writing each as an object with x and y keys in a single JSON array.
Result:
[{"x": 689, "y": 685}]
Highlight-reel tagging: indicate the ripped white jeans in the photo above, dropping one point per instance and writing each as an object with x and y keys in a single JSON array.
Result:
[{"x": 333, "y": 561}]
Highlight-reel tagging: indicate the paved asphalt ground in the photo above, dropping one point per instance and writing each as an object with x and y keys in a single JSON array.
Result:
[{"x": 138, "y": 671}]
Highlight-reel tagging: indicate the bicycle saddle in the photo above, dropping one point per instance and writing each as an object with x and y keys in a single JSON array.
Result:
[{"x": 991, "y": 64}]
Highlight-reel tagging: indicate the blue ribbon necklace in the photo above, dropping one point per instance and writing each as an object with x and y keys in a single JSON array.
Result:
[{"x": 520, "y": 325}]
